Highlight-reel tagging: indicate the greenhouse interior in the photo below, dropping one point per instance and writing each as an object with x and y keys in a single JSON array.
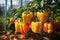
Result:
[{"x": 29, "y": 19}]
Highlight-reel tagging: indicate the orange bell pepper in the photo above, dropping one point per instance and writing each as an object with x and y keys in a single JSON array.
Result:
[{"x": 24, "y": 28}]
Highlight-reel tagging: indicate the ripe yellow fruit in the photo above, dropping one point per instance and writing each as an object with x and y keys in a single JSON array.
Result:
[
  {"x": 49, "y": 31},
  {"x": 27, "y": 18},
  {"x": 48, "y": 27},
  {"x": 42, "y": 16},
  {"x": 45, "y": 28},
  {"x": 17, "y": 26},
  {"x": 11, "y": 19},
  {"x": 36, "y": 27}
]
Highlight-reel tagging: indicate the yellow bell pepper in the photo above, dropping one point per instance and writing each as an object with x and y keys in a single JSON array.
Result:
[
  {"x": 11, "y": 20},
  {"x": 45, "y": 28},
  {"x": 27, "y": 18},
  {"x": 17, "y": 22},
  {"x": 36, "y": 27},
  {"x": 42, "y": 16},
  {"x": 48, "y": 27}
]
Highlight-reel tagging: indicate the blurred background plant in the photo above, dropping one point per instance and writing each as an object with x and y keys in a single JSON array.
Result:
[{"x": 1, "y": 23}]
